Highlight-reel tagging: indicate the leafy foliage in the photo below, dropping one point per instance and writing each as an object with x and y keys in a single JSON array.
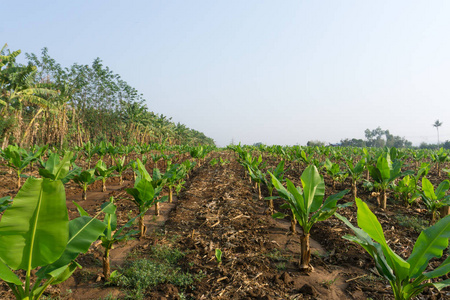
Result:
[{"x": 407, "y": 277}]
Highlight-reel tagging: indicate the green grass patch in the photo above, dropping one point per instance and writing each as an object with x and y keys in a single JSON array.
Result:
[
  {"x": 413, "y": 222},
  {"x": 276, "y": 255},
  {"x": 161, "y": 266}
]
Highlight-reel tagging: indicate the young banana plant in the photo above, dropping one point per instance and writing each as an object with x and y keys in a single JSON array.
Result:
[
  {"x": 158, "y": 182},
  {"x": 278, "y": 172},
  {"x": 173, "y": 175},
  {"x": 385, "y": 172},
  {"x": 333, "y": 170},
  {"x": 121, "y": 166},
  {"x": 84, "y": 179},
  {"x": 406, "y": 277},
  {"x": 439, "y": 158},
  {"x": 17, "y": 160},
  {"x": 156, "y": 158},
  {"x": 103, "y": 172},
  {"x": 89, "y": 151},
  {"x": 145, "y": 195},
  {"x": 111, "y": 235},
  {"x": 37, "y": 153},
  {"x": 37, "y": 227},
  {"x": 198, "y": 153},
  {"x": 307, "y": 206},
  {"x": 355, "y": 172},
  {"x": 257, "y": 176},
  {"x": 49, "y": 169},
  {"x": 102, "y": 149},
  {"x": 435, "y": 199},
  {"x": 407, "y": 189}
]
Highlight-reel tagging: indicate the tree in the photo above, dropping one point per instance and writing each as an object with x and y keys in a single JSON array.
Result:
[
  {"x": 437, "y": 124},
  {"x": 374, "y": 137}
]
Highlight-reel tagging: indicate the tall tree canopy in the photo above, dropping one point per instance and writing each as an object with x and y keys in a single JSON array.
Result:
[{"x": 43, "y": 102}]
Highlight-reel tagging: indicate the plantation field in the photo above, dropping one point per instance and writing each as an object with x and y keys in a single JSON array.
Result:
[{"x": 218, "y": 238}]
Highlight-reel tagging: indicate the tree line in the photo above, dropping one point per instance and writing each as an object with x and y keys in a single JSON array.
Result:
[{"x": 42, "y": 102}]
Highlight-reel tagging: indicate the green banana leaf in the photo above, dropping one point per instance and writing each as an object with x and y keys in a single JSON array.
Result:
[
  {"x": 368, "y": 222},
  {"x": 430, "y": 243},
  {"x": 7, "y": 275},
  {"x": 35, "y": 226}
]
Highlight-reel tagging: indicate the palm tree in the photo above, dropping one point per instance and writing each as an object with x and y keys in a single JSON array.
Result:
[
  {"x": 437, "y": 124},
  {"x": 20, "y": 94}
]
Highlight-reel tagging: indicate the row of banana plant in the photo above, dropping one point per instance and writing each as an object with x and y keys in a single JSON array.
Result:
[
  {"x": 386, "y": 171},
  {"x": 306, "y": 202},
  {"x": 36, "y": 221},
  {"x": 19, "y": 159}
]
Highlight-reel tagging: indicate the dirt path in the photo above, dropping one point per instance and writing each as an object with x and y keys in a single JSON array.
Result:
[{"x": 219, "y": 210}]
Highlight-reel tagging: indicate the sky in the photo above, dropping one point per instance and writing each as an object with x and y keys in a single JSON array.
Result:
[{"x": 277, "y": 72}]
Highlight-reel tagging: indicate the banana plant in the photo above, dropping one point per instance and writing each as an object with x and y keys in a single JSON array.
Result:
[
  {"x": 89, "y": 151},
  {"x": 439, "y": 158},
  {"x": 167, "y": 161},
  {"x": 37, "y": 227},
  {"x": 84, "y": 179},
  {"x": 17, "y": 160},
  {"x": 333, "y": 170},
  {"x": 121, "y": 166},
  {"x": 407, "y": 190},
  {"x": 369, "y": 160},
  {"x": 102, "y": 149},
  {"x": 158, "y": 182},
  {"x": 304, "y": 158},
  {"x": 50, "y": 167},
  {"x": 385, "y": 173},
  {"x": 278, "y": 172},
  {"x": 189, "y": 166},
  {"x": 111, "y": 235},
  {"x": 156, "y": 158},
  {"x": 435, "y": 199},
  {"x": 213, "y": 162},
  {"x": 173, "y": 175},
  {"x": 406, "y": 277},
  {"x": 113, "y": 151},
  {"x": 198, "y": 153},
  {"x": 355, "y": 172},
  {"x": 36, "y": 152},
  {"x": 103, "y": 172},
  {"x": 145, "y": 196},
  {"x": 257, "y": 176},
  {"x": 307, "y": 206},
  {"x": 417, "y": 156}
]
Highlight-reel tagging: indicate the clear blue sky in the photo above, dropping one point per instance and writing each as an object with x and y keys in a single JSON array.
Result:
[{"x": 277, "y": 72}]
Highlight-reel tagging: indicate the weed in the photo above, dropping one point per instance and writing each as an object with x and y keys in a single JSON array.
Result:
[
  {"x": 372, "y": 278},
  {"x": 133, "y": 254},
  {"x": 141, "y": 275},
  {"x": 329, "y": 283},
  {"x": 276, "y": 255},
  {"x": 166, "y": 254},
  {"x": 281, "y": 266},
  {"x": 413, "y": 222},
  {"x": 109, "y": 297}
]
